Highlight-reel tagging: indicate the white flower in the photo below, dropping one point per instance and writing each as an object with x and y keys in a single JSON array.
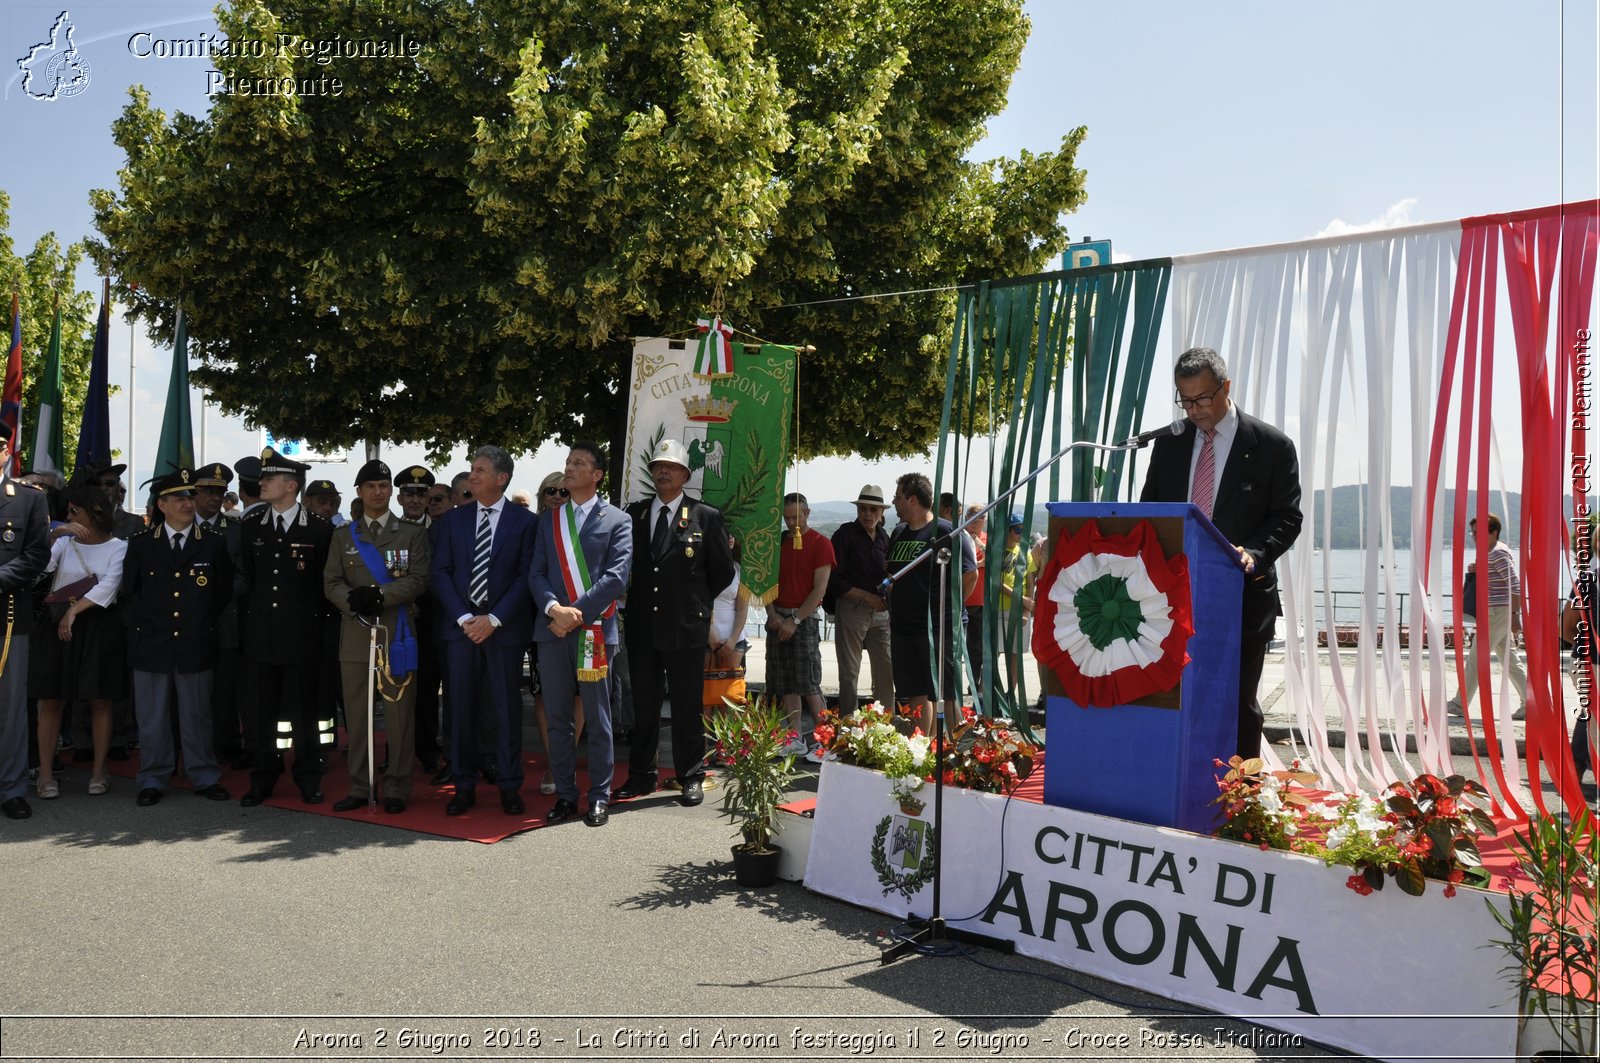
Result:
[
  {"x": 1269, "y": 800},
  {"x": 1338, "y": 835}
]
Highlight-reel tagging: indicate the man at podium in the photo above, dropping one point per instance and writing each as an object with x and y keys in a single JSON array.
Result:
[{"x": 1243, "y": 474}]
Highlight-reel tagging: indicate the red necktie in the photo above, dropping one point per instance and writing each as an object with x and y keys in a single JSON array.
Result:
[{"x": 1205, "y": 474}]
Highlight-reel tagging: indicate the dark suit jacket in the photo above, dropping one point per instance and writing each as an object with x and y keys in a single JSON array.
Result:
[
  {"x": 283, "y": 609},
  {"x": 669, "y": 598},
  {"x": 228, "y": 625},
  {"x": 607, "y": 541},
  {"x": 1257, "y": 504},
  {"x": 172, "y": 605},
  {"x": 24, "y": 551},
  {"x": 510, "y": 557}
]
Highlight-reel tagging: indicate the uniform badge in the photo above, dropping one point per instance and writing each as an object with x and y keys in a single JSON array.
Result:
[
  {"x": 200, "y": 581},
  {"x": 688, "y": 551},
  {"x": 10, "y": 536}
]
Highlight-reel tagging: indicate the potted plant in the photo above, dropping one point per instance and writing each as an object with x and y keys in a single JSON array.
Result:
[
  {"x": 757, "y": 777},
  {"x": 1551, "y": 942}
]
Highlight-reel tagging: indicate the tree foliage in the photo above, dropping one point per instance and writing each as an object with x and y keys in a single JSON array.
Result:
[
  {"x": 460, "y": 247},
  {"x": 39, "y": 278}
]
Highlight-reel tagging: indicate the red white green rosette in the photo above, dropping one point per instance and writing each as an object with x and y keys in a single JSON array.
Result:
[{"x": 1113, "y": 615}]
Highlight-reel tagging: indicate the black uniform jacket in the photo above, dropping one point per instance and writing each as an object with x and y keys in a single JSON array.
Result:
[{"x": 172, "y": 602}]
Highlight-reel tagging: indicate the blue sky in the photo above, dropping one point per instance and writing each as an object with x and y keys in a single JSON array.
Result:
[{"x": 1210, "y": 126}]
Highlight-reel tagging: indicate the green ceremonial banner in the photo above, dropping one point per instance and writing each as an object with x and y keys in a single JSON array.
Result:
[
  {"x": 46, "y": 451},
  {"x": 176, "y": 449},
  {"x": 737, "y": 431}
]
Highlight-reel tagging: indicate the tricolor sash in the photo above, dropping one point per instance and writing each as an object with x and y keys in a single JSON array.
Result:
[{"x": 575, "y": 573}]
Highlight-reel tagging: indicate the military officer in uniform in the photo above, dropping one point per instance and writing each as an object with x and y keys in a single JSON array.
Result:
[
  {"x": 176, "y": 578},
  {"x": 681, "y": 562},
  {"x": 248, "y": 469},
  {"x": 414, "y": 484},
  {"x": 232, "y": 696},
  {"x": 284, "y": 550},
  {"x": 24, "y": 552},
  {"x": 377, "y": 569}
]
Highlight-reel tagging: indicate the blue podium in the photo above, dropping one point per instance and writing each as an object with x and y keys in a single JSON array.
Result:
[{"x": 1151, "y": 761}]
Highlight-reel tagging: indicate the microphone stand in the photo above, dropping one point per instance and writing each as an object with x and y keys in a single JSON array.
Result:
[{"x": 927, "y": 932}]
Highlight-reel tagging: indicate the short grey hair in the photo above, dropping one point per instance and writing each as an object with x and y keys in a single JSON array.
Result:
[
  {"x": 1197, "y": 360},
  {"x": 498, "y": 458}
]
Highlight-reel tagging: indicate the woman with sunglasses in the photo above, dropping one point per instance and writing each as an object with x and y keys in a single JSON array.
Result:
[
  {"x": 551, "y": 494},
  {"x": 80, "y": 654}
]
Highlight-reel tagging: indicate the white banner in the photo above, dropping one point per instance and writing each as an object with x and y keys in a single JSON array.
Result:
[{"x": 1272, "y": 937}]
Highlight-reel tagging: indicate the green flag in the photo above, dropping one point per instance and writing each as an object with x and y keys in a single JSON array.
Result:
[
  {"x": 176, "y": 449},
  {"x": 46, "y": 453}
]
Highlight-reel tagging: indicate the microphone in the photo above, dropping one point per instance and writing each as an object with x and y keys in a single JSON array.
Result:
[{"x": 1145, "y": 438}]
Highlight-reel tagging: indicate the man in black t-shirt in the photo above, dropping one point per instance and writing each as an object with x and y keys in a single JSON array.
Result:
[{"x": 914, "y": 608}]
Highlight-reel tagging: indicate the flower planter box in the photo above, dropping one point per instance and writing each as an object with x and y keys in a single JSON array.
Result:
[{"x": 1268, "y": 936}]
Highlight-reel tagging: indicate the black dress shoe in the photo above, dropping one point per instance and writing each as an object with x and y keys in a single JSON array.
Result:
[
  {"x": 17, "y": 808},
  {"x": 394, "y": 805},
  {"x": 253, "y": 797},
  {"x": 215, "y": 792},
  {"x": 463, "y": 800},
  {"x": 311, "y": 795},
  {"x": 563, "y": 810},
  {"x": 636, "y": 786},
  {"x": 597, "y": 815},
  {"x": 349, "y": 804},
  {"x": 694, "y": 792},
  {"x": 511, "y": 803},
  {"x": 442, "y": 776},
  {"x": 147, "y": 797}
]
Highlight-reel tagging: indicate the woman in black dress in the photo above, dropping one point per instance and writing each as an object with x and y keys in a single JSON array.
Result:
[{"x": 79, "y": 652}]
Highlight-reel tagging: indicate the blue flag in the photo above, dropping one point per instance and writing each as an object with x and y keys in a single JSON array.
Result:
[{"x": 94, "y": 435}]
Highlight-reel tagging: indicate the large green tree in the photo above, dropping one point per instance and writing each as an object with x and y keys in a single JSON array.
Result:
[
  {"x": 40, "y": 278},
  {"x": 459, "y": 246}
]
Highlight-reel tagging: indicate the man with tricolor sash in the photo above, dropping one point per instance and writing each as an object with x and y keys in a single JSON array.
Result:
[{"x": 582, "y": 559}]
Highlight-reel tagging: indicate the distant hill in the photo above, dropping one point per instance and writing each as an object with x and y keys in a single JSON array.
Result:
[{"x": 1349, "y": 509}]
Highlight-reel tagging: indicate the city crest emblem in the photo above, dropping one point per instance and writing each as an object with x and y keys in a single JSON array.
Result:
[{"x": 902, "y": 854}]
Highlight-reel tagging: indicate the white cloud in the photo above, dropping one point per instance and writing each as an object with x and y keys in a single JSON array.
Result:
[{"x": 1393, "y": 218}]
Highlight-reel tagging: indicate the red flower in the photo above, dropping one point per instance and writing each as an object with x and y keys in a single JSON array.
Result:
[
  {"x": 1457, "y": 875},
  {"x": 1450, "y": 890},
  {"x": 1358, "y": 883},
  {"x": 968, "y": 712}
]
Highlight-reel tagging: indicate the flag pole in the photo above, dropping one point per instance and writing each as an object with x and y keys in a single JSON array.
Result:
[{"x": 133, "y": 476}]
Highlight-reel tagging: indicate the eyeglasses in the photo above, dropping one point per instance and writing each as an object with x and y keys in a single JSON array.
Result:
[
  {"x": 557, "y": 492},
  {"x": 1199, "y": 401}
]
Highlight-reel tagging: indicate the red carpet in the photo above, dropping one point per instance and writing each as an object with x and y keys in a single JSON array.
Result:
[{"x": 425, "y": 807}]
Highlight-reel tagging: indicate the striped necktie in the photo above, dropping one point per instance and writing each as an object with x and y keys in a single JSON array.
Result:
[
  {"x": 1205, "y": 474},
  {"x": 478, "y": 590}
]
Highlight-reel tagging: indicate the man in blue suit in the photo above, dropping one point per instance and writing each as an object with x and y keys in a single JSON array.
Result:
[
  {"x": 581, "y": 561},
  {"x": 481, "y": 553}
]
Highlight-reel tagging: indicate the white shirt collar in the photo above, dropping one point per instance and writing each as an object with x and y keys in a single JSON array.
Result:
[{"x": 171, "y": 531}]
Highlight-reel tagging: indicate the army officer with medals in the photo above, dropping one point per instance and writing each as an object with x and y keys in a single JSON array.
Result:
[
  {"x": 377, "y": 569},
  {"x": 177, "y": 578}
]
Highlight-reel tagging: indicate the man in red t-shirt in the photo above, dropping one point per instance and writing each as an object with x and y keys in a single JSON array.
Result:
[{"x": 794, "y": 636}]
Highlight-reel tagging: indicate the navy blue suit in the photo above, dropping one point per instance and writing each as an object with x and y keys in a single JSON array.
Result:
[
  {"x": 607, "y": 541},
  {"x": 498, "y": 659}
]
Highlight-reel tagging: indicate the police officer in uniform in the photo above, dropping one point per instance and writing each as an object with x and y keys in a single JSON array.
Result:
[
  {"x": 413, "y": 485},
  {"x": 176, "y": 579},
  {"x": 284, "y": 550},
  {"x": 363, "y": 598},
  {"x": 24, "y": 552}
]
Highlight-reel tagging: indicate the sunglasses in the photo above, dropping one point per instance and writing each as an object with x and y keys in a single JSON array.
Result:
[{"x": 557, "y": 492}]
